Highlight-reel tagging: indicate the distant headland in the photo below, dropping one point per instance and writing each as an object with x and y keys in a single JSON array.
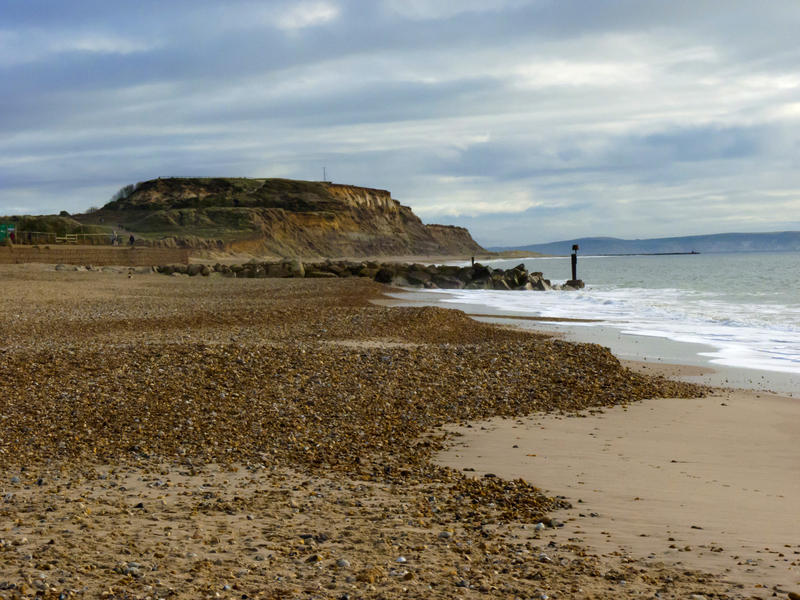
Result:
[{"x": 782, "y": 241}]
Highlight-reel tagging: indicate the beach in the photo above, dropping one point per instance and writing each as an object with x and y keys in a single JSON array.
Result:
[
  {"x": 278, "y": 438},
  {"x": 710, "y": 483}
]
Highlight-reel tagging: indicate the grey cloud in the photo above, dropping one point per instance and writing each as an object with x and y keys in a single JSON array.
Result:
[{"x": 693, "y": 125}]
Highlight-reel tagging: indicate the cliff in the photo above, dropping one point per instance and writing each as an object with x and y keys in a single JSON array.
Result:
[{"x": 280, "y": 217}]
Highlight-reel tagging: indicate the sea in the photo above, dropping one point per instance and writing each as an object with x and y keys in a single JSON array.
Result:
[{"x": 742, "y": 309}]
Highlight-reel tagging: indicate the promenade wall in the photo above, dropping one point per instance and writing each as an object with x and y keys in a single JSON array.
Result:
[{"x": 93, "y": 255}]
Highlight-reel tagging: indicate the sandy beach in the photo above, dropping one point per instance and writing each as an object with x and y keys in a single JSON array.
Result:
[
  {"x": 710, "y": 483},
  {"x": 275, "y": 438}
]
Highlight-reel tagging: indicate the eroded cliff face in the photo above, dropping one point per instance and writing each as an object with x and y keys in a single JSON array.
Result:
[
  {"x": 456, "y": 238},
  {"x": 282, "y": 217}
]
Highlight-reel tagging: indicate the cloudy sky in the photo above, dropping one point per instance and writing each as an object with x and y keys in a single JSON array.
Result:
[{"x": 525, "y": 120}]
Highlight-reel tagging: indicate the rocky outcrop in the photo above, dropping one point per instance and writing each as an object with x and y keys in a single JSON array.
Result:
[
  {"x": 475, "y": 277},
  {"x": 280, "y": 217}
]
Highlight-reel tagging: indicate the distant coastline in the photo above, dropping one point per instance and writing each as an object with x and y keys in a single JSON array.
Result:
[{"x": 781, "y": 241}]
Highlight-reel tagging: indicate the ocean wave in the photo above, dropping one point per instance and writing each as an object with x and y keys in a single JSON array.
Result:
[{"x": 748, "y": 335}]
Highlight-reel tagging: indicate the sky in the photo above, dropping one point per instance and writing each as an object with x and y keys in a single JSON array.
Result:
[{"x": 526, "y": 121}]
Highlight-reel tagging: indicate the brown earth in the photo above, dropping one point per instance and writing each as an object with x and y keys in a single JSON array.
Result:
[
  {"x": 278, "y": 217},
  {"x": 266, "y": 438}
]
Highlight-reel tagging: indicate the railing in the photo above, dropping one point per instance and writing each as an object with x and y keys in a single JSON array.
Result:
[
  {"x": 30, "y": 238},
  {"x": 67, "y": 238}
]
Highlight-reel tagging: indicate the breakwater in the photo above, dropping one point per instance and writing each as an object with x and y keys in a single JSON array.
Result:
[{"x": 475, "y": 277}]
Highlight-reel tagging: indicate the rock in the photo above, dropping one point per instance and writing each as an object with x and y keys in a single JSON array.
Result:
[
  {"x": 501, "y": 284},
  {"x": 295, "y": 268},
  {"x": 371, "y": 575},
  {"x": 384, "y": 275},
  {"x": 321, "y": 274},
  {"x": 194, "y": 269},
  {"x": 466, "y": 274},
  {"x": 418, "y": 277},
  {"x": 575, "y": 284},
  {"x": 479, "y": 284},
  {"x": 541, "y": 285},
  {"x": 448, "y": 282},
  {"x": 401, "y": 559},
  {"x": 343, "y": 563}
]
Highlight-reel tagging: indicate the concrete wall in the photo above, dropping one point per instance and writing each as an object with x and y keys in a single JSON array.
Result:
[{"x": 93, "y": 255}]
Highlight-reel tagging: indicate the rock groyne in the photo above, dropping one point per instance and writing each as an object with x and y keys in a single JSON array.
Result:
[{"x": 414, "y": 275}]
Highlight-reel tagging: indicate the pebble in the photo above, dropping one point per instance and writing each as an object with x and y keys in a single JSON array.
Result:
[{"x": 164, "y": 362}]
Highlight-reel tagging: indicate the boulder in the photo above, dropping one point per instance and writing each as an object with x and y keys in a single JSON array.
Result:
[
  {"x": 337, "y": 269},
  {"x": 294, "y": 268},
  {"x": 479, "y": 271},
  {"x": 274, "y": 270},
  {"x": 447, "y": 282},
  {"x": 321, "y": 274},
  {"x": 384, "y": 275},
  {"x": 541, "y": 285},
  {"x": 418, "y": 277},
  {"x": 450, "y": 270},
  {"x": 466, "y": 274}
]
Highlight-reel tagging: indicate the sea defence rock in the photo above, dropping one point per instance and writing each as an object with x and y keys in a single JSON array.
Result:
[{"x": 415, "y": 275}]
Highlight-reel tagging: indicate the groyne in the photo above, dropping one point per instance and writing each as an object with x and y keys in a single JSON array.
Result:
[{"x": 415, "y": 275}]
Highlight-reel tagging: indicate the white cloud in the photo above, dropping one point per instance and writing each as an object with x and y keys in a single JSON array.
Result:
[
  {"x": 449, "y": 197},
  {"x": 581, "y": 73},
  {"x": 30, "y": 45},
  {"x": 443, "y": 9},
  {"x": 306, "y": 14}
]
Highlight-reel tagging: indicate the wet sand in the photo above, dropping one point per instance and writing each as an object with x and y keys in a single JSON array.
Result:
[{"x": 712, "y": 483}]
